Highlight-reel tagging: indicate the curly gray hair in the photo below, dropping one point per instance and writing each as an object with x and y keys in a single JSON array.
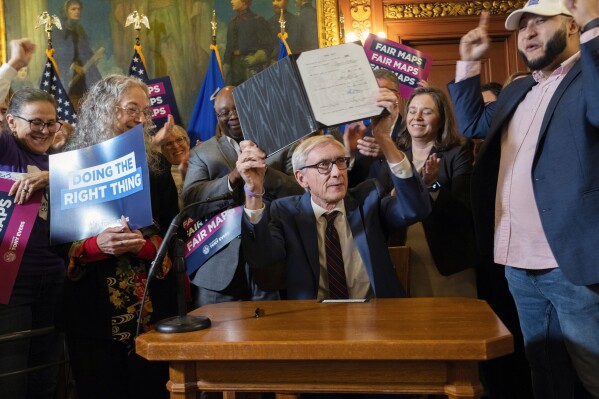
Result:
[{"x": 96, "y": 119}]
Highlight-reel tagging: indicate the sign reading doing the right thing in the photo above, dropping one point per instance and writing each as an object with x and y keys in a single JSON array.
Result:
[{"x": 91, "y": 188}]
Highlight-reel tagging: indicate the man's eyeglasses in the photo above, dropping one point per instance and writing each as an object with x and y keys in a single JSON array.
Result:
[
  {"x": 325, "y": 167},
  {"x": 227, "y": 114},
  {"x": 134, "y": 112},
  {"x": 38, "y": 125},
  {"x": 171, "y": 144}
]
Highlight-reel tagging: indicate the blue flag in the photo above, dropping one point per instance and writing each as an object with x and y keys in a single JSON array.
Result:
[
  {"x": 202, "y": 124},
  {"x": 284, "y": 50},
  {"x": 51, "y": 83},
  {"x": 137, "y": 67}
]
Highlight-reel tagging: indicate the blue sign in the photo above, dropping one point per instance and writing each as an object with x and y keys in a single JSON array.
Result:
[{"x": 91, "y": 188}]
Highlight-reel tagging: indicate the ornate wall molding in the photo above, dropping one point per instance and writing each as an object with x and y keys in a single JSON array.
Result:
[
  {"x": 361, "y": 12},
  {"x": 328, "y": 27},
  {"x": 437, "y": 10}
]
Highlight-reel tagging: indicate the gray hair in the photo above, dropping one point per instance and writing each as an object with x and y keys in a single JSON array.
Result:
[
  {"x": 27, "y": 95},
  {"x": 303, "y": 150},
  {"x": 97, "y": 116}
]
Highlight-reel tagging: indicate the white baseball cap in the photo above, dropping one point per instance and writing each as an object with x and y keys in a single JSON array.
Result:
[{"x": 546, "y": 8}]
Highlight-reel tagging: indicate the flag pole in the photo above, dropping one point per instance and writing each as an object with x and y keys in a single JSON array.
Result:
[
  {"x": 138, "y": 19},
  {"x": 50, "y": 80},
  {"x": 47, "y": 21},
  {"x": 202, "y": 124},
  {"x": 283, "y": 35},
  {"x": 213, "y": 46}
]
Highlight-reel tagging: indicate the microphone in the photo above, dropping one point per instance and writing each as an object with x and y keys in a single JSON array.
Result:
[{"x": 180, "y": 323}]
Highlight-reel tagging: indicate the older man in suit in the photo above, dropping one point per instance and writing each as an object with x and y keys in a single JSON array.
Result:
[
  {"x": 332, "y": 240},
  {"x": 536, "y": 184},
  {"x": 212, "y": 172}
]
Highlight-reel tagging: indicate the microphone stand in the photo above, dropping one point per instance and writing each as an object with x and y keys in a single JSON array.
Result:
[{"x": 180, "y": 323}]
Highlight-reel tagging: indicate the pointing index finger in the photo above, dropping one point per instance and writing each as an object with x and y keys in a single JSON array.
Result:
[{"x": 484, "y": 20}]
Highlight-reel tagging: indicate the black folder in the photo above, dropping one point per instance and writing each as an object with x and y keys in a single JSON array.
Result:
[{"x": 274, "y": 106}]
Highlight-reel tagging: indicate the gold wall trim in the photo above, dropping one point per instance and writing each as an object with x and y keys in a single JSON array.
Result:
[
  {"x": 436, "y": 10},
  {"x": 328, "y": 22},
  {"x": 2, "y": 34},
  {"x": 361, "y": 11}
]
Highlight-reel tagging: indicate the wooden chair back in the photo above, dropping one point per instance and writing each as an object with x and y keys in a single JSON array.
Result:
[{"x": 400, "y": 257}]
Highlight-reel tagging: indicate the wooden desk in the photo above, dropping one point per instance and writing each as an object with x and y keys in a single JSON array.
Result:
[{"x": 416, "y": 345}]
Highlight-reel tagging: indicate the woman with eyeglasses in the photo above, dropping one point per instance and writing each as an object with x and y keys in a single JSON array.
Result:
[
  {"x": 173, "y": 143},
  {"x": 443, "y": 254},
  {"x": 33, "y": 123},
  {"x": 107, "y": 273}
]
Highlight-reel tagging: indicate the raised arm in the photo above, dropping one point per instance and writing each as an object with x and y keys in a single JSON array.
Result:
[{"x": 472, "y": 117}]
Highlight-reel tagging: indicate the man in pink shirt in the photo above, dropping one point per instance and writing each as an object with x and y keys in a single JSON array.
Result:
[{"x": 535, "y": 193}]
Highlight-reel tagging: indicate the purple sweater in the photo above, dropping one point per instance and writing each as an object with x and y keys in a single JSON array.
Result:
[{"x": 38, "y": 258}]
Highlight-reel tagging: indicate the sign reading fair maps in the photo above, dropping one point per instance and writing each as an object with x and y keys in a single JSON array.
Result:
[
  {"x": 16, "y": 223},
  {"x": 91, "y": 188},
  {"x": 162, "y": 101},
  {"x": 205, "y": 240},
  {"x": 410, "y": 65}
]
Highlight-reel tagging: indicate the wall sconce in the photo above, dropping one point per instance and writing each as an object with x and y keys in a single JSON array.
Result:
[{"x": 360, "y": 13}]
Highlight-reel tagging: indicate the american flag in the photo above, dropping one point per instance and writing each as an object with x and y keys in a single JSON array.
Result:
[
  {"x": 138, "y": 66},
  {"x": 51, "y": 83}
]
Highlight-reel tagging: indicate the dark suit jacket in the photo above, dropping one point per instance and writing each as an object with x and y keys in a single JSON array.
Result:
[
  {"x": 209, "y": 165},
  {"x": 565, "y": 170},
  {"x": 449, "y": 230},
  {"x": 291, "y": 235}
]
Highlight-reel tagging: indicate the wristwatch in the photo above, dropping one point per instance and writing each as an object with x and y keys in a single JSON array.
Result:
[
  {"x": 593, "y": 24},
  {"x": 436, "y": 186}
]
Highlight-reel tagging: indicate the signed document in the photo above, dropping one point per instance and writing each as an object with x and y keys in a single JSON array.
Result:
[
  {"x": 339, "y": 83},
  {"x": 301, "y": 94}
]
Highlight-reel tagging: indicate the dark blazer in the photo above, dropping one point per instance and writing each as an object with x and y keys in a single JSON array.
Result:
[
  {"x": 371, "y": 213},
  {"x": 449, "y": 228},
  {"x": 209, "y": 165},
  {"x": 565, "y": 170}
]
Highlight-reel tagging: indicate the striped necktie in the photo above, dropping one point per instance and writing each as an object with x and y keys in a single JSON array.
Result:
[{"x": 335, "y": 268}]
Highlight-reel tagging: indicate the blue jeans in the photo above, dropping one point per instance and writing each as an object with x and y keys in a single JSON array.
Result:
[
  {"x": 560, "y": 325},
  {"x": 32, "y": 305}
]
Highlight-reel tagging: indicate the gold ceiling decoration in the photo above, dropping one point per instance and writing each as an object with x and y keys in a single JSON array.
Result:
[{"x": 434, "y": 10}]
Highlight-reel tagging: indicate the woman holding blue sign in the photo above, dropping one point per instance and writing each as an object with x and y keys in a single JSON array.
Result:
[
  {"x": 107, "y": 273},
  {"x": 30, "y": 291}
]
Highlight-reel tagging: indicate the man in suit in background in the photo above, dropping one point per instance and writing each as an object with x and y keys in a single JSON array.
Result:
[
  {"x": 332, "y": 240},
  {"x": 212, "y": 172},
  {"x": 535, "y": 186}
]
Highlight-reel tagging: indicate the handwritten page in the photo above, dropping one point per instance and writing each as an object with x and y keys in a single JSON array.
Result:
[{"x": 339, "y": 83}]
